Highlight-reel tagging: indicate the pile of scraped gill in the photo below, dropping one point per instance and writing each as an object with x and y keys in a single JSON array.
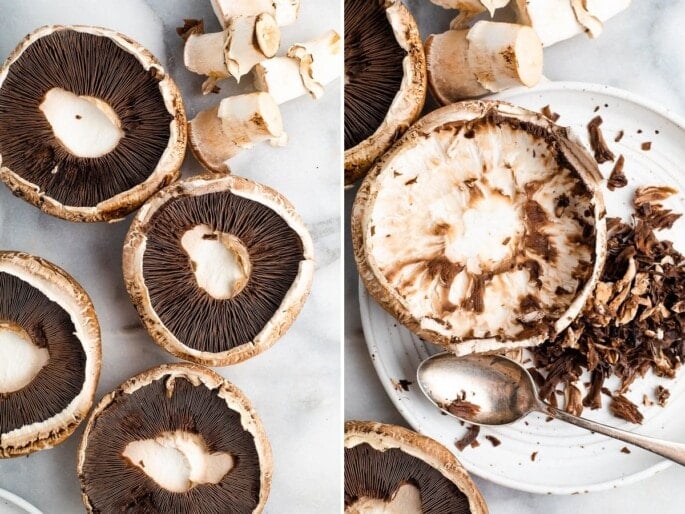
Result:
[{"x": 635, "y": 320}]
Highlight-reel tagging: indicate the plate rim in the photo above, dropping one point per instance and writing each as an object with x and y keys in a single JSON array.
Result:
[
  {"x": 364, "y": 307},
  {"x": 19, "y": 502}
]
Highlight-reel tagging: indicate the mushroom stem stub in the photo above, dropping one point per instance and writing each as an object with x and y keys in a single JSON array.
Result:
[
  {"x": 319, "y": 61},
  {"x": 308, "y": 68},
  {"x": 220, "y": 261},
  {"x": 489, "y": 57},
  {"x": 20, "y": 359},
  {"x": 557, "y": 20},
  {"x": 178, "y": 461},
  {"x": 238, "y": 122},
  {"x": 284, "y": 11},
  {"x": 246, "y": 41},
  {"x": 406, "y": 500},
  {"x": 85, "y": 126}
]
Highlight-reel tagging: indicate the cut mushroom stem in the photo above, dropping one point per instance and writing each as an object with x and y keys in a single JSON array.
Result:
[
  {"x": 319, "y": 61},
  {"x": 246, "y": 41},
  {"x": 468, "y": 9},
  {"x": 237, "y": 123},
  {"x": 287, "y": 11},
  {"x": 557, "y": 20},
  {"x": 284, "y": 11},
  {"x": 308, "y": 68},
  {"x": 489, "y": 57}
]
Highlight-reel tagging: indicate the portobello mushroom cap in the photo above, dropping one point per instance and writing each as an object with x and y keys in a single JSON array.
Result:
[
  {"x": 90, "y": 123},
  {"x": 385, "y": 80},
  {"x": 176, "y": 438},
  {"x": 218, "y": 268},
  {"x": 50, "y": 354},
  {"x": 393, "y": 470},
  {"x": 483, "y": 228}
]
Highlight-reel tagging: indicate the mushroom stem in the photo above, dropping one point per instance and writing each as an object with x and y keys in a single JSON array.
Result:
[
  {"x": 238, "y": 122},
  {"x": 319, "y": 61},
  {"x": 468, "y": 9},
  {"x": 246, "y": 41},
  {"x": 557, "y": 20},
  {"x": 204, "y": 54},
  {"x": 281, "y": 77},
  {"x": 284, "y": 11},
  {"x": 307, "y": 69},
  {"x": 287, "y": 11},
  {"x": 489, "y": 57}
]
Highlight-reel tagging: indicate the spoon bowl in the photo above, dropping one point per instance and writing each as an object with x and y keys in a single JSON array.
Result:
[{"x": 501, "y": 390}]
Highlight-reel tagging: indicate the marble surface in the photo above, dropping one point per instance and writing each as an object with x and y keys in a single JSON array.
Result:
[
  {"x": 640, "y": 51},
  {"x": 295, "y": 385}
]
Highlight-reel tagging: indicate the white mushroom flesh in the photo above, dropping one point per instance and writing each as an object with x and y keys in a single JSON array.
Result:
[
  {"x": 20, "y": 359},
  {"x": 280, "y": 76},
  {"x": 320, "y": 61},
  {"x": 220, "y": 262},
  {"x": 406, "y": 500},
  {"x": 227, "y": 9},
  {"x": 178, "y": 461},
  {"x": 85, "y": 126},
  {"x": 466, "y": 229}
]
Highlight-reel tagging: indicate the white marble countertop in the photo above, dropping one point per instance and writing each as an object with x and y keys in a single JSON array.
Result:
[
  {"x": 294, "y": 386},
  {"x": 641, "y": 51}
]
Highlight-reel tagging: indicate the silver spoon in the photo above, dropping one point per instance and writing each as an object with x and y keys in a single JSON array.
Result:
[{"x": 504, "y": 392}]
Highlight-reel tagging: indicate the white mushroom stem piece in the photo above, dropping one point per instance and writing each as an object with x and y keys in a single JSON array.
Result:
[
  {"x": 557, "y": 20},
  {"x": 469, "y": 8},
  {"x": 319, "y": 61},
  {"x": 238, "y": 122},
  {"x": 284, "y": 11},
  {"x": 246, "y": 41},
  {"x": 308, "y": 68},
  {"x": 281, "y": 77},
  {"x": 489, "y": 57}
]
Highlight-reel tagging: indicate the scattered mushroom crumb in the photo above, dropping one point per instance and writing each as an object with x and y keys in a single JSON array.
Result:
[
  {"x": 646, "y": 146},
  {"x": 462, "y": 408},
  {"x": 619, "y": 136},
  {"x": 648, "y": 207},
  {"x": 623, "y": 408},
  {"x": 596, "y": 108},
  {"x": 662, "y": 395},
  {"x": 402, "y": 384},
  {"x": 547, "y": 111},
  {"x": 597, "y": 142},
  {"x": 533, "y": 456},
  {"x": 625, "y": 450},
  {"x": 617, "y": 179},
  {"x": 493, "y": 440},
  {"x": 470, "y": 436},
  {"x": 646, "y": 401},
  {"x": 639, "y": 292}
]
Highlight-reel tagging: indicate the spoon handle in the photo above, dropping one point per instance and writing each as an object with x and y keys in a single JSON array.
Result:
[{"x": 670, "y": 450}]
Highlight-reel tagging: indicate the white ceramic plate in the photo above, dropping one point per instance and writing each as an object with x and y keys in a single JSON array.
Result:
[
  {"x": 568, "y": 460},
  {"x": 11, "y": 504}
]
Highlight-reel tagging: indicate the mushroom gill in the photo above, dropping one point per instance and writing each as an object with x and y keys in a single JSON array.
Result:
[
  {"x": 373, "y": 68},
  {"x": 371, "y": 474},
  {"x": 95, "y": 68},
  {"x": 194, "y": 316}
]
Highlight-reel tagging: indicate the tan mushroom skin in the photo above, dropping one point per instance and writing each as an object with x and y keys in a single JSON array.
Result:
[{"x": 382, "y": 437}]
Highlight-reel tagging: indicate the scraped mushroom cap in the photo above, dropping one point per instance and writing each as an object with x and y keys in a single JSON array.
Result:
[
  {"x": 407, "y": 102},
  {"x": 482, "y": 229},
  {"x": 44, "y": 310},
  {"x": 209, "y": 313},
  {"x": 367, "y": 440},
  {"x": 202, "y": 408},
  {"x": 134, "y": 138}
]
